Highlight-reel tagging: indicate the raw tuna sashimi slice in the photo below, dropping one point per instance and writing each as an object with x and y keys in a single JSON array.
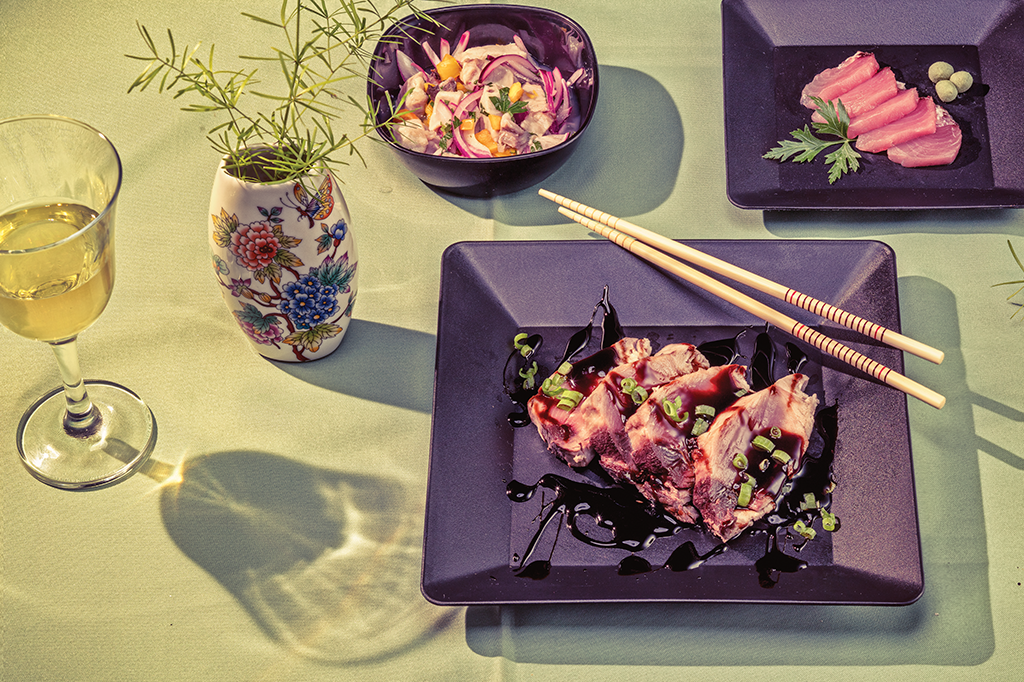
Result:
[
  {"x": 866, "y": 96},
  {"x": 578, "y": 435},
  {"x": 885, "y": 113},
  {"x": 832, "y": 83},
  {"x": 918, "y": 123},
  {"x": 654, "y": 454},
  {"x": 718, "y": 481},
  {"x": 938, "y": 149}
]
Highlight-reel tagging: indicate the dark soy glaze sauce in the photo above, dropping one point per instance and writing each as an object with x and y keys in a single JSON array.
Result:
[
  {"x": 629, "y": 521},
  {"x": 582, "y": 379},
  {"x": 632, "y": 522}
]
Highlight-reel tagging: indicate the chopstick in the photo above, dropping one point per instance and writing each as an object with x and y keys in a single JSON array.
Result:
[
  {"x": 801, "y": 331},
  {"x": 767, "y": 286}
]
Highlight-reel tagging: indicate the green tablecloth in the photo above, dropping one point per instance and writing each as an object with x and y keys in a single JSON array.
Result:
[{"x": 137, "y": 583}]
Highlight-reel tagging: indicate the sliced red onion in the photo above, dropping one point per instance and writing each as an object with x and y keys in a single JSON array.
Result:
[
  {"x": 431, "y": 55},
  {"x": 445, "y": 48},
  {"x": 519, "y": 64},
  {"x": 460, "y": 46},
  {"x": 576, "y": 75},
  {"x": 549, "y": 88},
  {"x": 407, "y": 67},
  {"x": 468, "y": 144},
  {"x": 558, "y": 90}
]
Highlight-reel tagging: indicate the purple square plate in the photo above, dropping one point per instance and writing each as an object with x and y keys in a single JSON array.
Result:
[
  {"x": 772, "y": 48},
  {"x": 473, "y": 532}
]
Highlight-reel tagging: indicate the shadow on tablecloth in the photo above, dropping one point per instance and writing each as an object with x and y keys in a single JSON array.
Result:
[{"x": 326, "y": 562}]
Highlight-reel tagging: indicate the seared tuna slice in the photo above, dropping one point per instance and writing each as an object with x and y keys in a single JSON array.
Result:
[
  {"x": 585, "y": 376},
  {"x": 832, "y": 83},
  {"x": 938, "y": 149},
  {"x": 576, "y": 434},
  {"x": 751, "y": 449},
  {"x": 654, "y": 455},
  {"x": 918, "y": 123}
]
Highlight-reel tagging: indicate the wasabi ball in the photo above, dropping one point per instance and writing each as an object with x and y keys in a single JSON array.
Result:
[
  {"x": 946, "y": 91},
  {"x": 962, "y": 80},
  {"x": 939, "y": 71}
]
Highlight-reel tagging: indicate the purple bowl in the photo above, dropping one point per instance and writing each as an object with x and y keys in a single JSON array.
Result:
[{"x": 553, "y": 39}]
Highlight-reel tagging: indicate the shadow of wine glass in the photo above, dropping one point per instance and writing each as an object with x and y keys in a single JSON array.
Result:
[
  {"x": 951, "y": 624},
  {"x": 327, "y": 563}
]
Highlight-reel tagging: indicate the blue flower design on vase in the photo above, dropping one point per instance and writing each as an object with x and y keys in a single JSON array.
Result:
[{"x": 309, "y": 302}]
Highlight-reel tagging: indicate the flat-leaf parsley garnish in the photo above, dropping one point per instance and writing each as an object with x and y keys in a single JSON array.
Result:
[
  {"x": 504, "y": 104},
  {"x": 807, "y": 145}
]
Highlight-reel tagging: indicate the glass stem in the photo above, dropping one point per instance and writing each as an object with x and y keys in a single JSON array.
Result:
[{"x": 81, "y": 419}]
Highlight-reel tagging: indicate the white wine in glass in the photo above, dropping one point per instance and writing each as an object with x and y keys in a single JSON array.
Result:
[{"x": 59, "y": 184}]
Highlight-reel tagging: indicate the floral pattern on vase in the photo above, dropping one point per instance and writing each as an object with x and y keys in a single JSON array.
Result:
[{"x": 286, "y": 263}]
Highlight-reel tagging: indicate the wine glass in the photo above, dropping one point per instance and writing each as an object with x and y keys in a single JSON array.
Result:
[{"x": 59, "y": 183}]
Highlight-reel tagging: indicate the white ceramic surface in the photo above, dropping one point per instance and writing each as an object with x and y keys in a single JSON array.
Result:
[{"x": 286, "y": 262}]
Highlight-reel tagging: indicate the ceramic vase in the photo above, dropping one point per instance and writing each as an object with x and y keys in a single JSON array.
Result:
[{"x": 286, "y": 262}]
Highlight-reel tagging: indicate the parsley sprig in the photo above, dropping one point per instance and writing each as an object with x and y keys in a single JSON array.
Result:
[
  {"x": 503, "y": 104},
  {"x": 807, "y": 145}
]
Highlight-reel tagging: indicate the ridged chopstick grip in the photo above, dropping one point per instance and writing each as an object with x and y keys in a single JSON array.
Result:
[
  {"x": 801, "y": 331},
  {"x": 762, "y": 284}
]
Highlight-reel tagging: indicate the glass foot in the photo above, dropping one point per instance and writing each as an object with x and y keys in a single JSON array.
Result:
[{"x": 111, "y": 453}]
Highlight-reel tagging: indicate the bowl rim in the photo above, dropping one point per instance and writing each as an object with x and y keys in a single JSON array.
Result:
[{"x": 415, "y": 20}]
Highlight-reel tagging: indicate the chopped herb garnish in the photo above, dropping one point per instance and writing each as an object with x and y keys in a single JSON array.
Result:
[
  {"x": 807, "y": 146},
  {"x": 506, "y": 106}
]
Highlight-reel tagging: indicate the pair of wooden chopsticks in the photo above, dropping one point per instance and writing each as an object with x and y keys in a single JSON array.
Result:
[{"x": 658, "y": 250}]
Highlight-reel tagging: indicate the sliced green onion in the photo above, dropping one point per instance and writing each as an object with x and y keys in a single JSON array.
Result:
[
  {"x": 765, "y": 463},
  {"x": 741, "y": 392},
  {"x": 775, "y": 432},
  {"x": 739, "y": 460},
  {"x": 705, "y": 411},
  {"x": 628, "y": 385},
  {"x": 780, "y": 456},
  {"x": 552, "y": 386},
  {"x": 518, "y": 339},
  {"x": 762, "y": 443},
  {"x": 639, "y": 395},
  {"x": 569, "y": 399},
  {"x": 828, "y": 520},
  {"x": 564, "y": 368},
  {"x": 745, "y": 495},
  {"x": 671, "y": 410},
  {"x": 803, "y": 529},
  {"x": 809, "y": 502},
  {"x": 529, "y": 375},
  {"x": 830, "y": 487},
  {"x": 699, "y": 427}
]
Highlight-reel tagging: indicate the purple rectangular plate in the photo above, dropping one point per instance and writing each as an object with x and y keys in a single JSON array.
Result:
[
  {"x": 772, "y": 48},
  {"x": 492, "y": 290}
]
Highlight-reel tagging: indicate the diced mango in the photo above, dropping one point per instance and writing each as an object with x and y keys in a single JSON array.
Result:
[
  {"x": 484, "y": 137},
  {"x": 427, "y": 110},
  {"x": 468, "y": 125},
  {"x": 495, "y": 120},
  {"x": 515, "y": 93},
  {"x": 448, "y": 67}
]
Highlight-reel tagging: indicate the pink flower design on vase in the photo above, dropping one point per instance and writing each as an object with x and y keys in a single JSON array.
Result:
[{"x": 255, "y": 245}]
